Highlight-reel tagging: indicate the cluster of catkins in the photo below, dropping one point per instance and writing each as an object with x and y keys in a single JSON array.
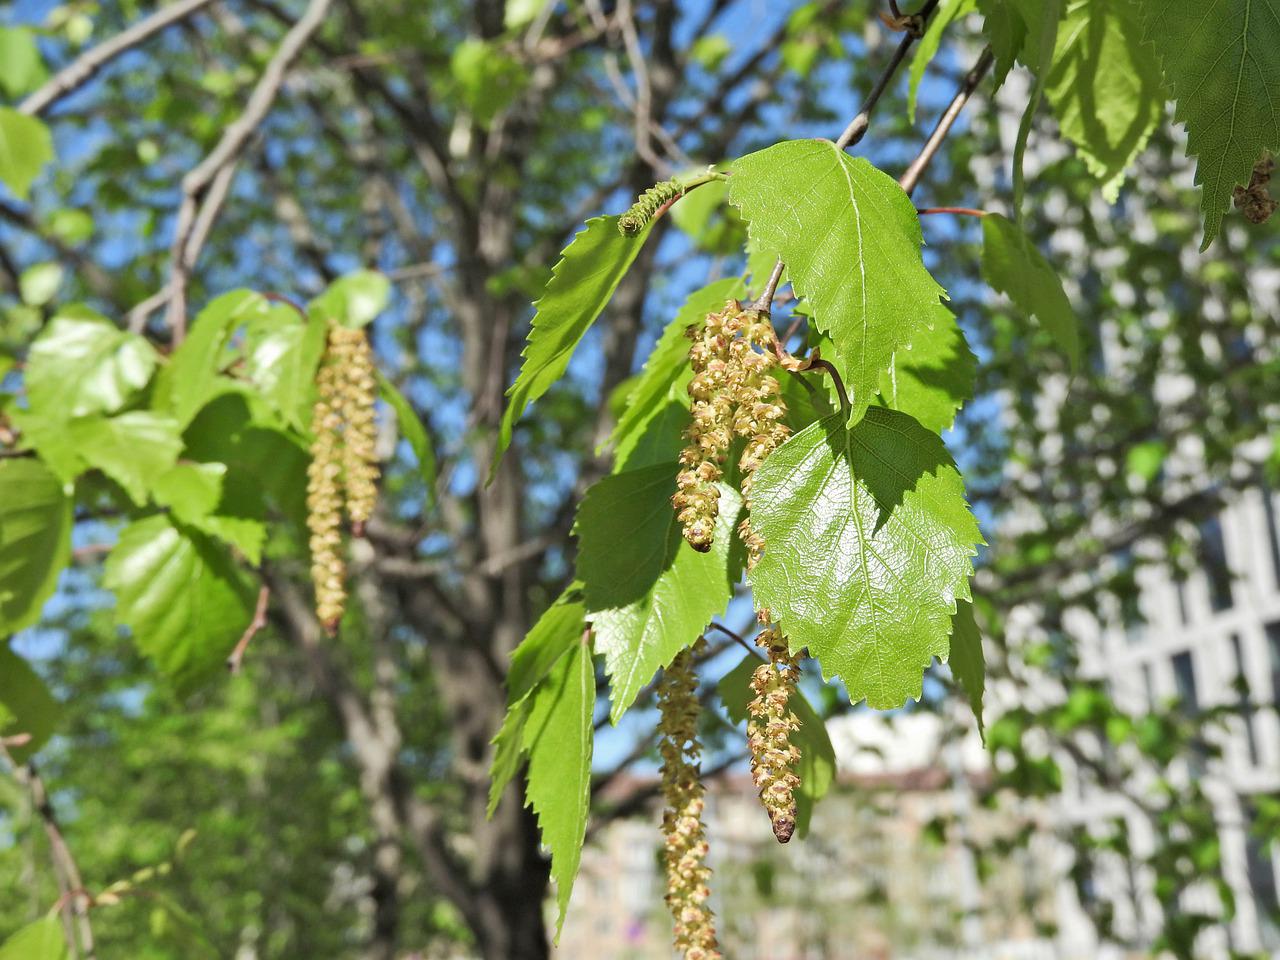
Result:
[
  {"x": 1254, "y": 201},
  {"x": 769, "y": 727},
  {"x": 685, "y": 844},
  {"x": 734, "y": 393},
  {"x": 343, "y": 473}
]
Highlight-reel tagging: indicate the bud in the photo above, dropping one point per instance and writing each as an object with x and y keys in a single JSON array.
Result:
[{"x": 685, "y": 846}]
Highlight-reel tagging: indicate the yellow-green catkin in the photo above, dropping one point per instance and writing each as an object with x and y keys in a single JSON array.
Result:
[
  {"x": 325, "y": 497},
  {"x": 685, "y": 842},
  {"x": 770, "y": 723},
  {"x": 354, "y": 357},
  {"x": 733, "y": 392}
]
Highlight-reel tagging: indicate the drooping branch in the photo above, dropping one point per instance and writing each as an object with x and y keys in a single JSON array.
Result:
[
  {"x": 911, "y": 177},
  {"x": 85, "y": 67}
]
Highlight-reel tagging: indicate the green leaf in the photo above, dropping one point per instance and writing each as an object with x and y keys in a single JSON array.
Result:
[
  {"x": 487, "y": 79},
  {"x": 354, "y": 300},
  {"x": 191, "y": 378},
  {"x": 966, "y": 659},
  {"x": 666, "y": 372},
  {"x": 28, "y": 704},
  {"x": 21, "y": 68},
  {"x": 868, "y": 545},
  {"x": 39, "y": 283},
  {"x": 702, "y": 216},
  {"x": 1006, "y": 31},
  {"x": 649, "y": 594},
  {"x": 817, "y": 766},
  {"x": 558, "y": 630},
  {"x": 190, "y": 490},
  {"x": 35, "y": 540},
  {"x": 180, "y": 593},
  {"x": 1012, "y": 265},
  {"x": 1042, "y": 34},
  {"x": 132, "y": 448},
  {"x": 851, "y": 241},
  {"x": 413, "y": 431},
  {"x": 581, "y": 284},
  {"x": 25, "y": 147},
  {"x": 947, "y": 12},
  {"x": 1104, "y": 87},
  {"x": 933, "y": 378},
  {"x": 519, "y": 13},
  {"x": 281, "y": 357},
  {"x": 82, "y": 364},
  {"x": 1225, "y": 75},
  {"x": 558, "y": 736},
  {"x": 71, "y": 226},
  {"x": 41, "y": 940}
]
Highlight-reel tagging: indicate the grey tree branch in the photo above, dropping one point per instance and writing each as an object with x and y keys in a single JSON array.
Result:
[
  {"x": 911, "y": 177},
  {"x": 205, "y": 187},
  {"x": 85, "y": 67}
]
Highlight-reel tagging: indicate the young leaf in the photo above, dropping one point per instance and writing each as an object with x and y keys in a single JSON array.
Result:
[
  {"x": 581, "y": 284},
  {"x": 30, "y": 707},
  {"x": 39, "y": 283},
  {"x": 1012, "y": 265},
  {"x": 1042, "y": 37},
  {"x": 352, "y": 301},
  {"x": 180, "y": 593},
  {"x": 133, "y": 449},
  {"x": 817, "y": 766},
  {"x": 558, "y": 737},
  {"x": 934, "y": 377},
  {"x": 966, "y": 659},
  {"x": 21, "y": 67},
  {"x": 25, "y": 147},
  {"x": 1224, "y": 72},
  {"x": 851, "y": 241},
  {"x": 35, "y": 540},
  {"x": 413, "y": 430},
  {"x": 1104, "y": 87},
  {"x": 281, "y": 361},
  {"x": 868, "y": 544},
  {"x": 947, "y": 12},
  {"x": 191, "y": 378},
  {"x": 667, "y": 369},
  {"x": 558, "y": 630},
  {"x": 648, "y": 594},
  {"x": 1006, "y": 31},
  {"x": 83, "y": 364},
  {"x": 41, "y": 940}
]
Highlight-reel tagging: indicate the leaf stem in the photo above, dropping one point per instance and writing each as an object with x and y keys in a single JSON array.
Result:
[
  {"x": 858, "y": 125},
  {"x": 959, "y": 211},
  {"x": 764, "y": 302},
  {"x": 818, "y": 363}
]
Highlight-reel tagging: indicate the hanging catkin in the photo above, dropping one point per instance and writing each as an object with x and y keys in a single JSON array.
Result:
[
  {"x": 770, "y": 724},
  {"x": 343, "y": 472},
  {"x": 324, "y": 496},
  {"x": 685, "y": 843}
]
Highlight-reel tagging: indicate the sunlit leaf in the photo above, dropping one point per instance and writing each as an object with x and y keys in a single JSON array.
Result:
[{"x": 35, "y": 540}]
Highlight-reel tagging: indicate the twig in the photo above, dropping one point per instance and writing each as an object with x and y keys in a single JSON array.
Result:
[
  {"x": 74, "y": 901},
  {"x": 817, "y": 363},
  {"x": 258, "y": 623},
  {"x": 959, "y": 211},
  {"x": 970, "y": 83},
  {"x": 85, "y": 67},
  {"x": 858, "y": 125},
  {"x": 734, "y": 635},
  {"x": 205, "y": 187},
  {"x": 764, "y": 302}
]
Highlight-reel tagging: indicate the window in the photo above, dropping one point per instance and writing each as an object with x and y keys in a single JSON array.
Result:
[
  {"x": 1242, "y": 691},
  {"x": 1273, "y": 647},
  {"x": 1149, "y": 687},
  {"x": 1213, "y": 554},
  {"x": 1262, "y": 875},
  {"x": 1184, "y": 678},
  {"x": 1180, "y": 584},
  {"x": 1273, "y": 530}
]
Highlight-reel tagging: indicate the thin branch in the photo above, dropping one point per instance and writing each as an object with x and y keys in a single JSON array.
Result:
[
  {"x": 205, "y": 187},
  {"x": 970, "y": 83},
  {"x": 859, "y": 124},
  {"x": 85, "y": 67},
  {"x": 257, "y": 624},
  {"x": 74, "y": 900},
  {"x": 734, "y": 635}
]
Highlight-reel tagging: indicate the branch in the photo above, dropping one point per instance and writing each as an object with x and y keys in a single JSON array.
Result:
[
  {"x": 205, "y": 187},
  {"x": 970, "y": 83},
  {"x": 73, "y": 900},
  {"x": 859, "y": 124},
  {"x": 85, "y": 67},
  {"x": 258, "y": 623}
]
